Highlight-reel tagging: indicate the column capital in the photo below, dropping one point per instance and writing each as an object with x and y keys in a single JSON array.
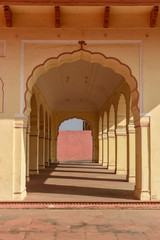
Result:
[
  {"x": 104, "y": 135},
  {"x": 121, "y": 132},
  {"x": 100, "y": 136},
  {"x": 143, "y": 122},
  {"x": 131, "y": 128},
  {"x": 28, "y": 129},
  {"x": 20, "y": 121},
  {"x": 111, "y": 134},
  {"x": 46, "y": 135},
  {"x": 34, "y": 132},
  {"x": 41, "y": 134}
]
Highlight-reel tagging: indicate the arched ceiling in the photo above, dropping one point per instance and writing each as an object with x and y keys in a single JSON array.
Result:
[{"x": 78, "y": 86}]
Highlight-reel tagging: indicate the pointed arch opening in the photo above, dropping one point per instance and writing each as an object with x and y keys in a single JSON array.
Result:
[{"x": 74, "y": 141}]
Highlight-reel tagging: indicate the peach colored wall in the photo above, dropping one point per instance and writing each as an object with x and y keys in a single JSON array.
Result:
[{"x": 75, "y": 145}]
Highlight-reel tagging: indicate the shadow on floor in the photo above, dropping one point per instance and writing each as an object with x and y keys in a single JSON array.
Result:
[{"x": 53, "y": 181}]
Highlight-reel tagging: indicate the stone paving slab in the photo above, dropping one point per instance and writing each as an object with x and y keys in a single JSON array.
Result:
[{"x": 48, "y": 224}]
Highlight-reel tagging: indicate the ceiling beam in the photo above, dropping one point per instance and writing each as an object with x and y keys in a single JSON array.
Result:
[
  {"x": 153, "y": 16},
  {"x": 106, "y": 17},
  {"x": 57, "y": 17},
  {"x": 8, "y": 16},
  {"x": 82, "y": 2}
]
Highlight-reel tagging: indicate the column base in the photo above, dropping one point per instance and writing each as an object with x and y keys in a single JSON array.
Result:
[
  {"x": 94, "y": 161},
  {"x": 20, "y": 195},
  {"x": 105, "y": 164},
  {"x": 27, "y": 178},
  {"x": 111, "y": 167},
  {"x": 131, "y": 179},
  {"x": 34, "y": 171},
  {"x": 41, "y": 166},
  {"x": 143, "y": 195},
  {"x": 121, "y": 172}
]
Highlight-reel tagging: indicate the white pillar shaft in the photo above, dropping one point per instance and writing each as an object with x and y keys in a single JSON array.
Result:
[
  {"x": 41, "y": 153},
  {"x": 111, "y": 151},
  {"x": 132, "y": 155},
  {"x": 100, "y": 160},
  {"x": 121, "y": 167},
  {"x": 27, "y": 156},
  {"x": 19, "y": 173},
  {"x": 105, "y": 148},
  {"x": 142, "y": 187}
]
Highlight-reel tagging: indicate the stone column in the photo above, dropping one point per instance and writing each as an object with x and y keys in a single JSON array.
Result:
[
  {"x": 50, "y": 142},
  {"x": 100, "y": 160},
  {"x": 19, "y": 173},
  {"x": 41, "y": 163},
  {"x": 34, "y": 151},
  {"x": 111, "y": 151},
  {"x": 27, "y": 152},
  {"x": 55, "y": 142},
  {"x": 131, "y": 153},
  {"x": 142, "y": 187},
  {"x": 94, "y": 149},
  {"x": 121, "y": 167},
  {"x": 105, "y": 150},
  {"x": 46, "y": 151}
]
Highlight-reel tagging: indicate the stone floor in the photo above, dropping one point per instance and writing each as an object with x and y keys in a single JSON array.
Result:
[
  {"x": 40, "y": 224},
  {"x": 78, "y": 182},
  {"x": 75, "y": 181}
]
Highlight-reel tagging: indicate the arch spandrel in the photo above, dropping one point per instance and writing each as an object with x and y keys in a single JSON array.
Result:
[{"x": 92, "y": 57}]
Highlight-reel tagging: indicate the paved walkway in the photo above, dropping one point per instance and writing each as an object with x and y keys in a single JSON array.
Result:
[
  {"x": 33, "y": 224},
  {"x": 79, "y": 181}
]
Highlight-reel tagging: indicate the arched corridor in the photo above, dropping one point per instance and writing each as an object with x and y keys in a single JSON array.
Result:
[
  {"x": 108, "y": 115},
  {"x": 102, "y": 67}
]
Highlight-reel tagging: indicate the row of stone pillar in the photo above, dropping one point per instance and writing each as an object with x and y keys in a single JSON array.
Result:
[
  {"x": 117, "y": 151},
  {"x": 38, "y": 151},
  {"x": 128, "y": 153}
]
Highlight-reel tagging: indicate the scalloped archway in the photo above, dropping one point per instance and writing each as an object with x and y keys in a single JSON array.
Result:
[{"x": 92, "y": 57}]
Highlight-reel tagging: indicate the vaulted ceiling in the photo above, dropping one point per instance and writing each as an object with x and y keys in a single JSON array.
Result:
[{"x": 78, "y": 86}]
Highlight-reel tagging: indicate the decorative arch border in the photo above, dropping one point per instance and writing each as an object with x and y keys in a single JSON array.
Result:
[
  {"x": 92, "y": 57},
  {"x": 2, "y": 95}
]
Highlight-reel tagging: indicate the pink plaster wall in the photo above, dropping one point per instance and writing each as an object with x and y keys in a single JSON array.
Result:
[{"x": 74, "y": 145}]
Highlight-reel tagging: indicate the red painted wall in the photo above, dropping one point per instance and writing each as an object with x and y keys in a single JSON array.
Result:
[{"x": 74, "y": 145}]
